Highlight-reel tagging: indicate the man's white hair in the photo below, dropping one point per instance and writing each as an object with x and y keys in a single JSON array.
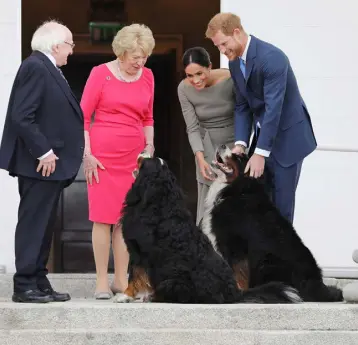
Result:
[{"x": 47, "y": 35}]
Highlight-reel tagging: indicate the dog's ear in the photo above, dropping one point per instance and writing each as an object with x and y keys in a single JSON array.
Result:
[
  {"x": 240, "y": 160},
  {"x": 244, "y": 159},
  {"x": 149, "y": 194},
  {"x": 241, "y": 156},
  {"x": 170, "y": 181}
]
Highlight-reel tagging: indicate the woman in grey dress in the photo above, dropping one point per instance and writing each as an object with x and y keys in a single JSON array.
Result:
[{"x": 207, "y": 99}]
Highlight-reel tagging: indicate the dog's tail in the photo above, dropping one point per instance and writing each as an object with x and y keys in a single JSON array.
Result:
[
  {"x": 334, "y": 294},
  {"x": 270, "y": 293},
  {"x": 317, "y": 291}
]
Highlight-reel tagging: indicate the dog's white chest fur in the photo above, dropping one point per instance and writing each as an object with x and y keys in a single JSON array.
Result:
[{"x": 210, "y": 201}]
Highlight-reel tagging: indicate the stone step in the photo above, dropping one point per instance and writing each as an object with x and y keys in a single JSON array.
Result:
[
  {"x": 77, "y": 285},
  {"x": 95, "y": 315},
  {"x": 83, "y": 285},
  {"x": 87, "y": 321},
  {"x": 176, "y": 337}
]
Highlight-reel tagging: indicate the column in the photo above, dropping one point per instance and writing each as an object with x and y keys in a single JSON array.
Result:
[{"x": 10, "y": 59}]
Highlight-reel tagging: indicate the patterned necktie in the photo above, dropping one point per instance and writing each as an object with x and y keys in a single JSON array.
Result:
[{"x": 243, "y": 67}]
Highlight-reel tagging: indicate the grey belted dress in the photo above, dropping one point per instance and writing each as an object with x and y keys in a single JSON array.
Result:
[{"x": 209, "y": 118}]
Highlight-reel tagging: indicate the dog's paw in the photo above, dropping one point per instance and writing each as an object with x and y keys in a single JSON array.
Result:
[
  {"x": 146, "y": 299},
  {"x": 122, "y": 298}
]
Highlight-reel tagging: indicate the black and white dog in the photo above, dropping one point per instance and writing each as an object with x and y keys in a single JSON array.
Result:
[
  {"x": 171, "y": 256},
  {"x": 258, "y": 243}
]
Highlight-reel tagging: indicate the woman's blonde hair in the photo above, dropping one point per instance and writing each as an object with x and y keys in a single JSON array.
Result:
[{"x": 131, "y": 37}]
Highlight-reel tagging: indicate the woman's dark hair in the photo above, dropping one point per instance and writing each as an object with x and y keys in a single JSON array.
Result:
[{"x": 197, "y": 55}]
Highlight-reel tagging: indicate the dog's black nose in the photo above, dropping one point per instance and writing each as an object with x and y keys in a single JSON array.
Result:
[{"x": 223, "y": 146}]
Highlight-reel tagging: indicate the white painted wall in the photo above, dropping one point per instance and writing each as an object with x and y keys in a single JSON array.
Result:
[
  {"x": 324, "y": 58},
  {"x": 10, "y": 59},
  {"x": 319, "y": 38}
]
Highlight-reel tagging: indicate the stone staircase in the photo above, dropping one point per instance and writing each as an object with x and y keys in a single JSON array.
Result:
[{"x": 86, "y": 321}]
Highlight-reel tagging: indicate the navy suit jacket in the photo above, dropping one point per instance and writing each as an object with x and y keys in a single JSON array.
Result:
[
  {"x": 270, "y": 96},
  {"x": 42, "y": 114}
]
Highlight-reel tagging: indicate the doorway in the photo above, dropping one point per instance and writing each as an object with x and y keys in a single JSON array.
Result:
[{"x": 72, "y": 250}]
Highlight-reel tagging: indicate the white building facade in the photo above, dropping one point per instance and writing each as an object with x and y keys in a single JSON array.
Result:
[{"x": 319, "y": 38}]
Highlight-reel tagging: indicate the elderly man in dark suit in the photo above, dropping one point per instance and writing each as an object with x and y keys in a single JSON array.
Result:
[
  {"x": 269, "y": 102},
  {"x": 42, "y": 144}
]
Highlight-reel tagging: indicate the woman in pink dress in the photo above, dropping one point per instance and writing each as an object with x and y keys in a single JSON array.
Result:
[{"x": 120, "y": 94}]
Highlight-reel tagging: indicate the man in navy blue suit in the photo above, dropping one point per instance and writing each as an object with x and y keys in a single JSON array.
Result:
[
  {"x": 269, "y": 103},
  {"x": 42, "y": 145}
]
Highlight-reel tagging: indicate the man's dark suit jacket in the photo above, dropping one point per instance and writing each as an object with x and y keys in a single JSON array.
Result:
[
  {"x": 270, "y": 96},
  {"x": 43, "y": 114}
]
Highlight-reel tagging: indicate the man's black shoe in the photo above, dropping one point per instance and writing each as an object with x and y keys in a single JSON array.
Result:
[
  {"x": 56, "y": 296},
  {"x": 32, "y": 296}
]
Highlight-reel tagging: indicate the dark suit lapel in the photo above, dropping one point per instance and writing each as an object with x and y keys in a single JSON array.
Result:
[
  {"x": 238, "y": 77},
  {"x": 250, "y": 58},
  {"x": 61, "y": 82},
  {"x": 241, "y": 80}
]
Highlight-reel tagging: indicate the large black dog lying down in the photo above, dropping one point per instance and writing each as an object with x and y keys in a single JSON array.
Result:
[
  {"x": 258, "y": 243},
  {"x": 170, "y": 255}
]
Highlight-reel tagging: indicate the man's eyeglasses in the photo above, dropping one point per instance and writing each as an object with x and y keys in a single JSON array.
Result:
[{"x": 71, "y": 44}]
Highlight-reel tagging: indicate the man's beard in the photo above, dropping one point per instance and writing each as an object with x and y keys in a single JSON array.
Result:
[{"x": 232, "y": 54}]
